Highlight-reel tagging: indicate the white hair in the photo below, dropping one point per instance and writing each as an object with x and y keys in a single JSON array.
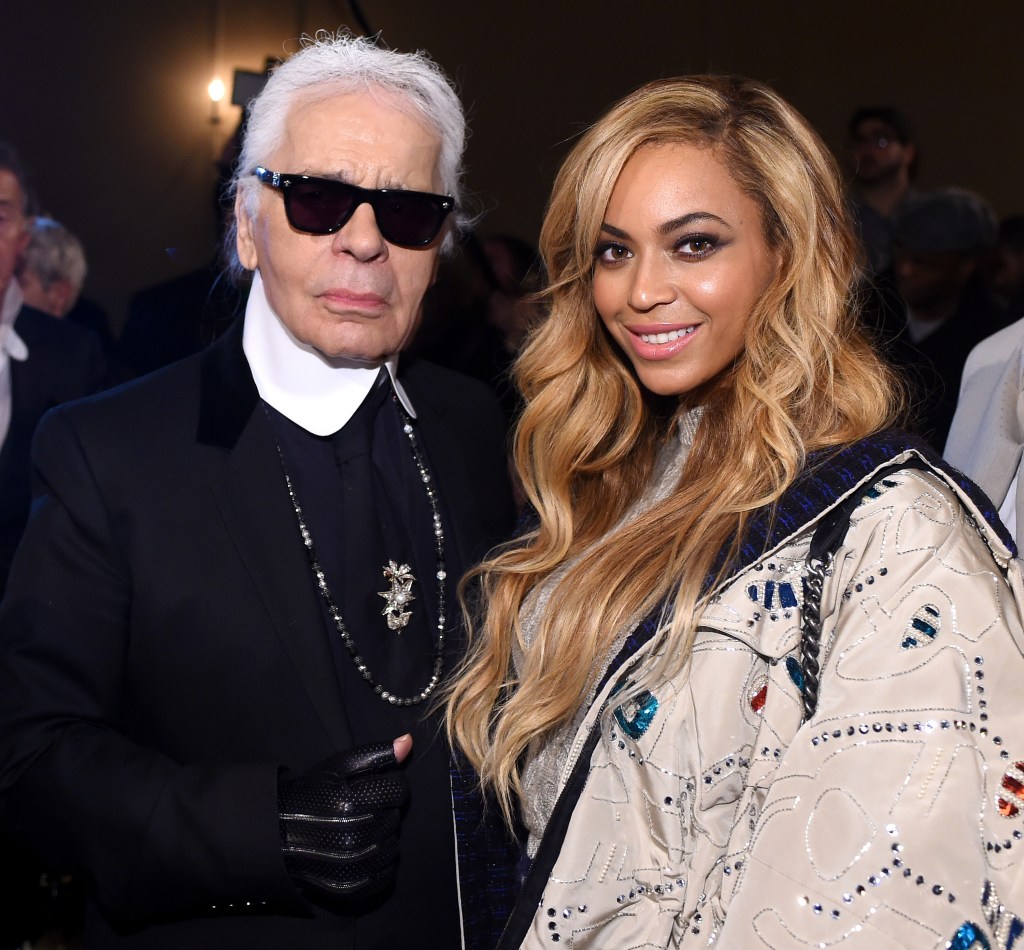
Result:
[
  {"x": 340, "y": 63},
  {"x": 53, "y": 253}
]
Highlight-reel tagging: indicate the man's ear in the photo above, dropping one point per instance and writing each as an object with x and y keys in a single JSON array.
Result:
[{"x": 245, "y": 244}]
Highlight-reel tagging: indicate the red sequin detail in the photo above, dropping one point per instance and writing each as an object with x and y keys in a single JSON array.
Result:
[
  {"x": 1007, "y": 807},
  {"x": 757, "y": 702},
  {"x": 1012, "y": 785}
]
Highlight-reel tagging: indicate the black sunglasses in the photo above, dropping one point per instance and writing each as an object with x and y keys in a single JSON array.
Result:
[{"x": 324, "y": 205}]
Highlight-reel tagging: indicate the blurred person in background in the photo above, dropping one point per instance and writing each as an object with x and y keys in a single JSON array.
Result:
[
  {"x": 1005, "y": 271},
  {"x": 52, "y": 268},
  {"x": 44, "y": 361},
  {"x": 52, "y": 272},
  {"x": 986, "y": 439},
  {"x": 882, "y": 155},
  {"x": 941, "y": 239}
]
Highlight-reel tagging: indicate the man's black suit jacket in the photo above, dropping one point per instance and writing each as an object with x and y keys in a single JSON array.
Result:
[
  {"x": 162, "y": 648},
  {"x": 64, "y": 362}
]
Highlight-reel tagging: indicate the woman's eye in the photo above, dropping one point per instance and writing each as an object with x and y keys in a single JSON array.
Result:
[
  {"x": 610, "y": 253},
  {"x": 697, "y": 246}
]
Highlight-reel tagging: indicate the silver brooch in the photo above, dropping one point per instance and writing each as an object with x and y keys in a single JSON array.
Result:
[{"x": 400, "y": 576}]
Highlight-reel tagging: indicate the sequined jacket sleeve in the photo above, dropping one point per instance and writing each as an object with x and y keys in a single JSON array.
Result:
[
  {"x": 893, "y": 817},
  {"x": 712, "y": 816}
]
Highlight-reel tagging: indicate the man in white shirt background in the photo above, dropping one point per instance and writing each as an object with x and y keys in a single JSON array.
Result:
[
  {"x": 43, "y": 361},
  {"x": 986, "y": 440}
]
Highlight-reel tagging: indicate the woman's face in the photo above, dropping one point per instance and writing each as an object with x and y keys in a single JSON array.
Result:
[{"x": 680, "y": 263}]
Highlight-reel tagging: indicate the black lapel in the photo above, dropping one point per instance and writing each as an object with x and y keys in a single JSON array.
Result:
[{"x": 250, "y": 491}]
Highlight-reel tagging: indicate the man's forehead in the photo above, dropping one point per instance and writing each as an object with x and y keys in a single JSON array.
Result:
[
  {"x": 345, "y": 133},
  {"x": 874, "y": 126},
  {"x": 372, "y": 104}
]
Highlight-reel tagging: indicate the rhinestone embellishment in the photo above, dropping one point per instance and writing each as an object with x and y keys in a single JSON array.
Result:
[{"x": 399, "y": 597}]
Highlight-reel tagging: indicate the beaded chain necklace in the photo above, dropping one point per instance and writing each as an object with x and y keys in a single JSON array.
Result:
[{"x": 441, "y": 574}]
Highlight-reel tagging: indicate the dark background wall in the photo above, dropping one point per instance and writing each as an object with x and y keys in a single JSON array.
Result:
[{"x": 108, "y": 102}]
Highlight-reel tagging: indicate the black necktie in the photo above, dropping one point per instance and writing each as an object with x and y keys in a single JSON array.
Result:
[{"x": 374, "y": 536}]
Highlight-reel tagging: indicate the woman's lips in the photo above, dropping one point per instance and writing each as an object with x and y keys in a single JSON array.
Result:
[{"x": 660, "y": 341}]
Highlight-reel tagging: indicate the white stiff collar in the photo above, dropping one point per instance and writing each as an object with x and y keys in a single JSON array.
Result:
[
  {"x": 317, "y": 392},
  {"x": 11, "y": 345}
]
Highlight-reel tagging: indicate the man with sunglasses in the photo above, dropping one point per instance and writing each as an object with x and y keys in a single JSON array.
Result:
[{"x": 231, "y": 618}]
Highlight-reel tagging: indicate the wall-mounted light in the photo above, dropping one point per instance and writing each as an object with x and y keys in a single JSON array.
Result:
[{"x": 216, "y": 92}]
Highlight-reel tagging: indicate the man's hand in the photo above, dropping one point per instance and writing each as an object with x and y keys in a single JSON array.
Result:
[{"x": 339, "y": 822}]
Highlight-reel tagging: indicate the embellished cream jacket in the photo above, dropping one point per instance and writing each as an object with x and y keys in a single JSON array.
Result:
[{"x": 712, "y": 816}]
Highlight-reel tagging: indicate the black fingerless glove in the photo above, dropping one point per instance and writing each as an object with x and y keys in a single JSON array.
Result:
[{"x": 339, "y": 824}]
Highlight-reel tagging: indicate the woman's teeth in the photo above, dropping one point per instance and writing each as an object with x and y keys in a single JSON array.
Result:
[{"x": 666, "y": 337}]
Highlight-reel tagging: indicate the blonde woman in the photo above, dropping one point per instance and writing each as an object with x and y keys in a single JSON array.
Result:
[{"x": 753, "y": 677}]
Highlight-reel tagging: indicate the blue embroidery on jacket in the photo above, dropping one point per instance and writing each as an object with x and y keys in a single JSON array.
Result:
[
  {"x": 1005, "y": 925},
  {"x": 875, "y": 490},
  {"x": 969, "y": 937},
  {"x": 641, "y": 714},
  {"x": 795, "y": 673},
  {"x": 772, "y": 594},
  {"x": 923, "y": 627}
]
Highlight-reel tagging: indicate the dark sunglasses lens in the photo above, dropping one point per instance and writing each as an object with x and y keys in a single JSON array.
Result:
[
  {"x": 409, "y": 219},
  {"x": 319, "y": 207}
]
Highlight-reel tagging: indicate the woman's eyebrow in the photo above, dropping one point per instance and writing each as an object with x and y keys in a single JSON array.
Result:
[
  {"x": 681, "y": 222},
  {"x": 671, "y": 226},
  {"x": 613, "y": 231}
]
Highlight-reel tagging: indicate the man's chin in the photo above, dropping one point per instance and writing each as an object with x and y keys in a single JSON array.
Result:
[
  {"x": 878, "y": 176},
  {"x": 354, "y": 348},
  {"x": 340, "y": 356}
]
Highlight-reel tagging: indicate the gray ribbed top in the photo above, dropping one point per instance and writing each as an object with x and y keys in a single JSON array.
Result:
[{"x": 545, "y": 763}]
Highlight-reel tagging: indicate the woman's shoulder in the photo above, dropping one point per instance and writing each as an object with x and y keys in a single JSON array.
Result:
[
  {"x": 916, "y": 526},
  {"x": 838, "y": 481},
  {"x": 894, "y": 474},
  {"x": 886, "y": 501}
]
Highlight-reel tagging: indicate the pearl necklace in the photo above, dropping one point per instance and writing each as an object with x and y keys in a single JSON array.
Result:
[{"x": 441, "y": 574}]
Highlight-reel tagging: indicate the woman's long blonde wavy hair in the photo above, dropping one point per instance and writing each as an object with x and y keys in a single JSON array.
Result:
[{"x": 586, "y": 442}]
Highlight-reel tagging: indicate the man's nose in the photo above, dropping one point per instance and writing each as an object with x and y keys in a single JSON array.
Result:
[{"x": 360, "y": 237}]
